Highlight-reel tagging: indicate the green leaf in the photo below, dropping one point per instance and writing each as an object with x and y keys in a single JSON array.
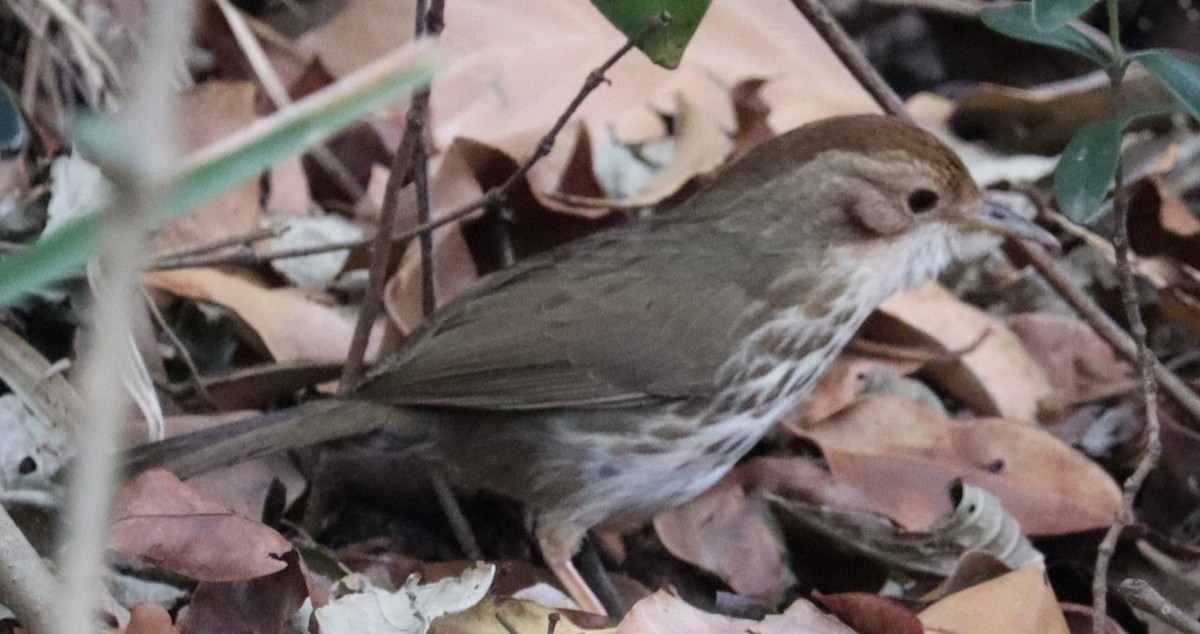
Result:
[
  {"x": 226, "y": 163},
  {"x": 1180, "y": 76},
  {"x": 1016, "y": 21},
  {"x": 664, "y": 45},
  {"x": 50, "y": 259},
  {"x": 1049, "y": 15},
  {"x": 1086, "y": 168}
]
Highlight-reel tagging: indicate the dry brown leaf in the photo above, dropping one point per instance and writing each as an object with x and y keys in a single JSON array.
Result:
[
  {"x": 364, "y": 31},
  {"x": 244, "y": 486},
  {"x": 1020, "y": 601},
  {"x": 1043, "y": 119},
  {"x": 996, "y": 377},
  {"x": 182, "y": 530},
  {"x": 1078, "y": 363},
  {"x": 662, "y": 613},
  {"x": 516, "y": 64},
  {"x": 263, "y": 604},
  {"x": 290, "y": 326},
  {"x": 1161, "y": 223},
  {"x": 210, "y": 111},
  {"x": 871, "y": 613},
  {"x": 453, "y": 271},
  {"x": 733, "y": 537},
  {"x": 289, "y": 195},
  {"x": 522, "y": 616},
  {"x": 843, "y": 382},
  {"x": 149, "y": 618},
  {"x": 701, "y": 146},
  {"x": 902, "y": 458}
]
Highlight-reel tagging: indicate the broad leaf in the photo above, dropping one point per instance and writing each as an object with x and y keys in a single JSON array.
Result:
[
  {"x": 1085, "y": 170},
  {"x": 1049, "y": 15},
  {"x": 1180, "y": 76},
  {"x": 664, "y": 45},
  {"x": 1016, "y": 21},
  {"x": 226, "y": 163}
]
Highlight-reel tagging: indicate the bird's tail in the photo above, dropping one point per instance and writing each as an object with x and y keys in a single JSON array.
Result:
[{"x": 308, "y": 424}]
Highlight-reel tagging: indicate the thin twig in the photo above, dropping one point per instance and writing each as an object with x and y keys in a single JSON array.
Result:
[
  {"x": 140, "y": 191},
  {"x": 381, "y": 255},
  {"x": 1107, "y": 328},
  {"x": 429, "y": 22},
  {"x": 26, "y": 585},
  {"x": 278, "y": 94},
  {"x": 1145, "y": 361},
  {"x": 193, "y": 372},
  {"x": 833, "y": 34},
  {"x": 1140, "y": 595},
  {"x": 224, "y": 243}
]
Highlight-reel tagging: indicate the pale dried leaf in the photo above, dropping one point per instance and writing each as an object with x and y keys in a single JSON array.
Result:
[
  {"x": 283, "y": 318},
  {"x": 1021, "y": 601},
  {"x": 408, "y": 610},
  {"x": 996, "y": 377}
]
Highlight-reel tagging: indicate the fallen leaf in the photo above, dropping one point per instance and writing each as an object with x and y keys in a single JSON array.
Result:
[
  {"x": 264, "y": 604},
  {"x": 995, "y": 377},
  {"x": 149, "y": 618},
  {"x": 871, "y": 614},
  {"x": 282, "y": 318},
  {"x": 1020, "y": 601},
  {"x": 493, "y": 615},
  {"x": 902, "y": 458},
  {"x": 846, "y": 378},
  {"x": 408, "y": 610},
  {"x": 182, "y": 530},
  {"x": 1078, "y": 363},
  {"x": 494, "y": 91},
  {"x": 733, "y": 537},
  {"x": 313, "y": 272},
  {"x": 210, "y": 111},
  {"x": 662, "y": 613}
]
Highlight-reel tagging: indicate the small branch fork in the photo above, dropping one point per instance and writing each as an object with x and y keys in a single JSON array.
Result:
[{"x": 1134, "y": 349}]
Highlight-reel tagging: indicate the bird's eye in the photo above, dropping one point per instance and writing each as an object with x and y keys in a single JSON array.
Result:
[{"x": 922, "y": 200}]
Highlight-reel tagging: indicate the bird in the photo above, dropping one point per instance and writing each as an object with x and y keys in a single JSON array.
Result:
[{"x": 620, "y": 375}]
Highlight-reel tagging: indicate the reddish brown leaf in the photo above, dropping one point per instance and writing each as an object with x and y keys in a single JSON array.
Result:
[
  {"x": 871, "y": 613},
  {"x": 1079, "y": 364},
  {"x": 732, "y": 537},
  {"x": 903, "y": 457},
  {"x": 180, "y": 529},
  {"x": 262, "y": 605}
]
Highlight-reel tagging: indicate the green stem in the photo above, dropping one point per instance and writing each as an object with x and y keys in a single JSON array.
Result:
[{"x": 1114, "y": 34}]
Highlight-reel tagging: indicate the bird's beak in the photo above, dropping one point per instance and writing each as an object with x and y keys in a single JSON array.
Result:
[{"x": 997, "y": 218}]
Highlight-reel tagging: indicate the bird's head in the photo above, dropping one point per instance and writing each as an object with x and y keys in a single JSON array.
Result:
[{"x": 887, "y": 194}]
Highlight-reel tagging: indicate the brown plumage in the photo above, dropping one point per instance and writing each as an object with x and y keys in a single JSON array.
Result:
[{"x": 622, "y": 374}]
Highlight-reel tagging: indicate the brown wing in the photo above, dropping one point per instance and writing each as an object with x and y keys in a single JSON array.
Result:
[{"x": 587, "y": 326}]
